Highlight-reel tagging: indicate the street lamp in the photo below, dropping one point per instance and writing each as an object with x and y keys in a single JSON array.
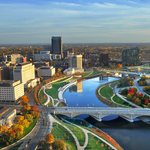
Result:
[
  {"x": 77, "y": 104},
  {"x": 93, "y": 105},
  {"x": 88, "y": 105}
]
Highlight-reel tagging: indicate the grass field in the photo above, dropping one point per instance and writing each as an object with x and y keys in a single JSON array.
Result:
[
  {"x": 53, "y": 92},
  {"x": 106, "y": 91},
  {"x": 31, "y": 126},
  {"x": 85, "y": 74},
  {"x": 120, "y": 101},
  {"x": 114, "y": 84},
  {"x": 96, "y": 144},
  {"x": 41, "y": 97},
  {"x": 78, "y": 133},
  {"x": 60, "y": 132}
]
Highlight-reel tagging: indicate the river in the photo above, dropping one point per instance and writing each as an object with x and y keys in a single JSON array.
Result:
[{"x": 130, "y": 136}]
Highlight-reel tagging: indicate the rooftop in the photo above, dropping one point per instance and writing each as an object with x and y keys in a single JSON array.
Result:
[{"x": 22, "y": 64}]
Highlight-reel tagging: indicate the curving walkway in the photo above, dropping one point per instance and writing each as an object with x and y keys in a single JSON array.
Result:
[
  {"x": 52, "y": 120},
  {"x": 86, "y": 136}
]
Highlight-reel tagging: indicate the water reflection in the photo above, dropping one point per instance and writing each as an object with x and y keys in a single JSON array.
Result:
[
  {"x": 76, "y": 88},
  {"x": 86, "y": 97}
]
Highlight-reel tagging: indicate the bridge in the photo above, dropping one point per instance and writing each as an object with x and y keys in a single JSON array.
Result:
[{"x": 99, "y": 112}]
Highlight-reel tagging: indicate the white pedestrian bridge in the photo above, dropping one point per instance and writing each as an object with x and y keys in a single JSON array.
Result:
[{"x": 99, "y": 112}]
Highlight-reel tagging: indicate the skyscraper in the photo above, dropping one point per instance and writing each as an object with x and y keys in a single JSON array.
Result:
[
  {"x": 75, "y": 61},
  {"x": 130, "y": 56},
  {"x": 57, "y": 47},
  {"x": 104, "y": 58}
]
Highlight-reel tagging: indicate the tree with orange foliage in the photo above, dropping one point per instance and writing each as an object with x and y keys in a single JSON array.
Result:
[
  {"x": 59, "y": 145},
  {"x": 24, "y": 100},
  {"x": 49, "y": 138},
  {"x": 119, "y": 65}
]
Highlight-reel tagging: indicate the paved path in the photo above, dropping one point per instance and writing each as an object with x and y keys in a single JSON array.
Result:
[
  {"x": 86, "y": 136},
  {"x": 52, "y": 120}
]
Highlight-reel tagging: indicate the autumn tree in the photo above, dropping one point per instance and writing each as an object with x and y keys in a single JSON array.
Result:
[
  {"x": 59, "y": 145},
  {"x": 29, "y": 117},
  {"x": 24, "y": 100},
  {"x": 25, "y": 109},
  {"x": 43, "y": 145},
  {"x": 3, "y": 129},
  {"x": 49, "y": 138}
]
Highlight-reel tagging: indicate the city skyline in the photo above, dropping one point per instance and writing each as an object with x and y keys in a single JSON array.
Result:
[{"x": 77, "y": 22}]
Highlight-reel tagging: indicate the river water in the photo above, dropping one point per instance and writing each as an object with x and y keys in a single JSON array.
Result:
[{"x": 130, "y": 136}]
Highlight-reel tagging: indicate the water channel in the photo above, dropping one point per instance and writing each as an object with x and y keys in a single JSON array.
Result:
[{"x": 131, "y": 136}]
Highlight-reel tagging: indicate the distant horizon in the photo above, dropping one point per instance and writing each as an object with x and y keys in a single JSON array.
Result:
[
  {"x": 71, "y": 43},
  {"x": 86, "y": 21}
]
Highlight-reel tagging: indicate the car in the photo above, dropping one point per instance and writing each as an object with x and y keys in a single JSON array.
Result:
[
  {"x": 66, "y": 109},
  {"x": 53, "y": 108}
]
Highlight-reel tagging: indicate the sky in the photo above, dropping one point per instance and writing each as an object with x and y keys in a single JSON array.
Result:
[{"x": 77, "y": 21}]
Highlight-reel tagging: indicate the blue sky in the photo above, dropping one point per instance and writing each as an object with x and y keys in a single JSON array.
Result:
[{"x": 77, "y": 21}]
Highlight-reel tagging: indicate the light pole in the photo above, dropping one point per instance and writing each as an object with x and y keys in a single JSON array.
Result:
[
  {"x": 93, "y": 105},
  {"x": 77, "y": 104},
  {"x": 88, "y": 105}
]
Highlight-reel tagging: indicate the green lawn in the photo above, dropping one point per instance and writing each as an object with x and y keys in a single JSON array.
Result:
[
  {"x": 16, "y": 147},
  {"x": 114, "y": 84},
  {"x": 106, "y": 91},
  {"x": 31, "y": 126},
  {"x": 78, "y": 133},
  {"x": 41, "y": 97},
  {"x": 85, "y": 74},
  {"x": 60, "y": 132},
  {"x": 96, "y": 144},
  {"x": 53, "y": 92},
  {"x": 50, "y": 103},
  {"x": 120, "y": 101},
  {"x": 95, "y": 73},
  {"x": 62, "y": 80}
]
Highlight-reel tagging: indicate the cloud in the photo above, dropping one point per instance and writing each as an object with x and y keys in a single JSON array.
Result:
[{"x": 96, "y": 20}]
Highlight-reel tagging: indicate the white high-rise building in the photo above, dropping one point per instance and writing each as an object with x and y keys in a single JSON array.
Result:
[
  {"x": 25, "y": 72},
  {"x": 10, "y": 91},
  {"x": 75, "y": 61}
]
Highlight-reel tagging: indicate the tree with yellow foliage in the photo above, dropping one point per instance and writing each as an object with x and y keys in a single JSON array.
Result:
[
  {"x": 3, "y": 129},
  {"x": 59, "y": 145}
]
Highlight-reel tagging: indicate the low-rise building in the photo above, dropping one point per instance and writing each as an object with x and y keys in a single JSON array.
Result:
[
  {"x": 46, "y": 71},
  {"x": 11, "y": 91},
  {"x": 7, "y": 116},
  {"x": 71, "y": 71}
]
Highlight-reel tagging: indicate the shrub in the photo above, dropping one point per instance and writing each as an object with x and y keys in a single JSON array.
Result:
[
  {"x": 129, "y": 97},
  {"x": 124, "y": 92}
]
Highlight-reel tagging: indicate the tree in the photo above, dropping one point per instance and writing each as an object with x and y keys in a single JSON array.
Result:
[
  {"x": 29, "y": 117},
  {"x": 49, "y": 138},
  {"x": 24, "y": 100},
  {"x": 138, "y": 101},
  {"x": 59, "y": 145},
  {"x": 25, "y": 108},
  {"x": 3, "y": 129}
]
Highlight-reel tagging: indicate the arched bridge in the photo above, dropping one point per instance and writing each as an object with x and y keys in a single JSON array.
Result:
[{"x": 99, "y": 112}]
